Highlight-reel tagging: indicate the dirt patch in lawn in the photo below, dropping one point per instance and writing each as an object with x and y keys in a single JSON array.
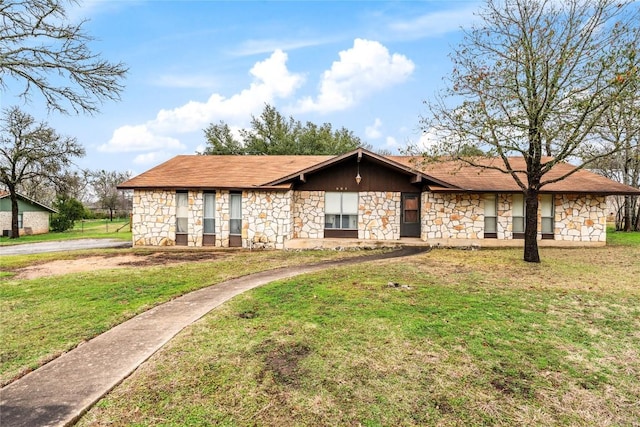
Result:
[{"x": 92, "y": 263}]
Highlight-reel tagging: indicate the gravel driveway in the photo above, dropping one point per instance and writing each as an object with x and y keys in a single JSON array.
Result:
[{"x": 62, "y": 245}]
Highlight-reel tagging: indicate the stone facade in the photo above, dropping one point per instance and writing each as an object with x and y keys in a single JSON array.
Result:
[
  {"x": 577, "y": 218},
  {"x": 580, "y": 218},
  {"x": 271, "y": 218},
  {"x": 379, "y": 215},
  {"x": 452, "y": 216},
  {"x": 308, "y": 214},
  {"x": 222, "y": 219},
  {"x": 267, "y": 217},
  {"x": 195, "y": 218},
  {"x": 154, "y": 218}
]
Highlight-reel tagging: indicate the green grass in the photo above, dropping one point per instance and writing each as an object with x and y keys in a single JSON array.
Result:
[
  {"x": 622, "y": 238},
  {"x": 43, "y": 317},
  {"x": 83, "y": 230},
  {"x": 472, "y": 338}
]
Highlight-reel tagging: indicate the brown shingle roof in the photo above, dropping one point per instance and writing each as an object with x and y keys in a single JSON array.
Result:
[
  {"x": 474, "y": 179},
  {"x": 232, "y": 172},
  {"x": 242, "y": 172}
]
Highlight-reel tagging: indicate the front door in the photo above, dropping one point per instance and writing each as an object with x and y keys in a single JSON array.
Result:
[{"x": 410, "y": 215}]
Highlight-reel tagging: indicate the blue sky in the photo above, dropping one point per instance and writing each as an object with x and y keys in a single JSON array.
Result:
[{"x": 364, "y": 65}]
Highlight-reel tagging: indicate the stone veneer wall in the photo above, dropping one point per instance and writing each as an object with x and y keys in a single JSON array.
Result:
[
  {"x": 195, "y": 225},
  {"x": 452, "y": 216},
  {"x": 577, "y": 218},
  {"x": 580, "y": 218},
  {"x": 154, "y": 218},
  {"x": 267, "y": 217},
  {"x": 379, "y": 215},
  {"x": 308, "y": 215},
  {"x": 222, "y": 219}
]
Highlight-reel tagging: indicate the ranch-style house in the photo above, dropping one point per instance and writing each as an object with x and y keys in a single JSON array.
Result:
[{"x": 358, "y": 198}]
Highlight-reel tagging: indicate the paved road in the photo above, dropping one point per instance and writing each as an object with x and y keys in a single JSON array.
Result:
[
  {"x": 62, "y": 246},
  {"x": 60, "y": 392}
]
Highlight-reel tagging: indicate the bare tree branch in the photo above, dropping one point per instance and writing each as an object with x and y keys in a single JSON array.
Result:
[{"x": 48, "y": 55}]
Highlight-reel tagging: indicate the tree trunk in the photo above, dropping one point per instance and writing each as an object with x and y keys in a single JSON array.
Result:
[
  {"x": 15, "y": 231},
  {"x": 531, "y": 226},
  {"x": 627, "y": 214}
]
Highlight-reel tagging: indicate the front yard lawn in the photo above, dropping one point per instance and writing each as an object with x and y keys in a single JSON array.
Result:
[{"x": 465, "y": 338}]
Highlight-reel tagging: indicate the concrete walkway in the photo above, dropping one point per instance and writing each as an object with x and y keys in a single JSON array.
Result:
[{"x": 60, "y": 392}]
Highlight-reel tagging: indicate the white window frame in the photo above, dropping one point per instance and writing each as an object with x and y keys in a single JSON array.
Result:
[
  {"x": 518, "y": 219},
  {"x": 490, "y": 200},
  {"x": 208, "y": 217},
  {"x": 341, "y": 211},
  {"x": 547, "y": 215},
  {"x": 182, "y": 212},
  {"x": 235, "y": 214}
]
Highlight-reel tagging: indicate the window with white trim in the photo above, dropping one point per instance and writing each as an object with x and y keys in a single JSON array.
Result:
[
  {"x": 341, "y": 210},
  {"x": 517, "y": 215},
  {"x": 490, "y": 216},
  {"x": 235, "y": 214},
  {"x": 209, "y": 221},
  {"x": 547, "y": 215},
  {"x": 182, "y": 211}
]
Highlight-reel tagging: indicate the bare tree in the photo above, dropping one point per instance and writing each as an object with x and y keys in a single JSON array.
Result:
[
  {"x": 621, "y": 128},
  {"x": 38, "y": 46},
  {"x": 536, "y": 78},
  {"x": 31, "y": 151},
  {"x": 104, "y": 185}
]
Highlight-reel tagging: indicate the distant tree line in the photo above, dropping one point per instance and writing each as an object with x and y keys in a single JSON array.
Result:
[{"x": 272, "y": 133}]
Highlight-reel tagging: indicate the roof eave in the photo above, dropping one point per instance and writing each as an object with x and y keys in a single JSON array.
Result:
[{"x": 360, "y": 152}]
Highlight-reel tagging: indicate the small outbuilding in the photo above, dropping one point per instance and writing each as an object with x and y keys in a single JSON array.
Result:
[{"x": 33, "y": 217}]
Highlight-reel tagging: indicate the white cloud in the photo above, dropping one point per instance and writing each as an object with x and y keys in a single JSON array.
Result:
[
  {"x": 436, "y": 23},
  {"x": 391, "y": 142},
  {"x": 138, "y": 138},
  {"x": 153, "y": 157},
  {"x": 253, "y": 47},
  {"x": 271, "y": 80},
  {"x": 373, "y": 131},
  {"x": 362, "y": 70}
]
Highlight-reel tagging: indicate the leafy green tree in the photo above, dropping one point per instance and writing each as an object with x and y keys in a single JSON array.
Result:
[
  {"x": 31, "y": 151},
  {"x": 69, "y": 210},
  {"x": 536, "y": 78},
  {"x": 221, "y": 140},
  {"x": 272, "y": 133},
  {"x": 45, "y": 53}
]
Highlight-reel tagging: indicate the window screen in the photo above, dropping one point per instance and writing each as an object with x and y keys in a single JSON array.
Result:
[
  {"x": 517, "y": 207},
  {"x": 209, "y": 213},
  {"x": 341, "y": 210},
  {"x": 235, "y": 214},
  {"x": 547, "y": 213},
  {"x": 490, "y": 215},
  {"x": 182, "y": 210}
]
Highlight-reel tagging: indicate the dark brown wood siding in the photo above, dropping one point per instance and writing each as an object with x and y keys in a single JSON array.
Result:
[
  {"x": 209, "y": 240},
  {"x": 235, "y": 241},
  {"x": 181, "y": 240},
  {"x": 330, "y": 233},
  {"x": 342, "y": 177}
]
